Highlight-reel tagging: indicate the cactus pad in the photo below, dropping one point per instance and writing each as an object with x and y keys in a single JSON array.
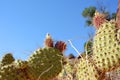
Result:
[
  {"x": 7, "y": 59},
  {"x": 9, "y": 72},
  {"x": 45, "y": 63},
  {"x": 106, "y": 47},
  {"x": 19, "y": 64},
  {"x": 86, "y": 71}
]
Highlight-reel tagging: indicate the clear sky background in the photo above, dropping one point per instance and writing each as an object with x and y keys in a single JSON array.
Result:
[{"x": 24, "y": 24}]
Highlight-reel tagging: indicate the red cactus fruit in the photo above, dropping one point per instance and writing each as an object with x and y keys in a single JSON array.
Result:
[
  {"x": 98, "y": 19},
  {"x": 60, "y": 45},
  {"x": 48, "y": 41}
]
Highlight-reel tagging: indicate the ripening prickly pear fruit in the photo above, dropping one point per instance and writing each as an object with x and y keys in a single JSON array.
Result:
[
  {"x": 106, "y": 47},
  {"x": 48, "y": 42},
  {"x": 45, "y": 63},
  {"x": 60, "y": 45},
  {"x": 7, "y": 59},
  {"x": 87, "y": 71},
  {"x": 98, "y": 19}
]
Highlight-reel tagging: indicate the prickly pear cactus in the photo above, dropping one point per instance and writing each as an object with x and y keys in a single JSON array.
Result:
[
  {"x": 45, "y": 63},
  {"x": 10, "y": 72},
  {"x": 6, "y": 59},
  {"x": 19, "y": 64},
  {"x": 106, "y": 47},
  {"x": 67, "y": 72},
  {"x": 86, "y": 71}
]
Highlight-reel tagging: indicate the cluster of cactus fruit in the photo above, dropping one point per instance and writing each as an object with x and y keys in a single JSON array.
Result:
[{"x": 49, "y": 63}]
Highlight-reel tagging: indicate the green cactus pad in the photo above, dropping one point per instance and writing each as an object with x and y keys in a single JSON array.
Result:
[
  {"x": 86, "y": 71},
  {"x": 7, "y": 59},
  {"x": 10, "y": 72},
  {"x": 106, "y": 47},
  {"x": 19, "y": 64},
  {"x": 45, "y": 63}
]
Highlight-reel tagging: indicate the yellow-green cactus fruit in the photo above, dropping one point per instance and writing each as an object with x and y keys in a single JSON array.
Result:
[
  {"x": 86, "y": 70},
  {"x": 106, "y": 47},
  {"x": 7, "y": 59},
  {"x": 45, "y": 63}
]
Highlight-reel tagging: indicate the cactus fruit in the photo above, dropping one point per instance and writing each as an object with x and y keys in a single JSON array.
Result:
[
  {"x": 87, "y": 71},
  {"x": 98, "y": 19},
  {"x": 48, "y": 42},
  {"x": 7, "y": 59},
  {"x": 60, "y": 45},
  {"x": 106, "y": 47},
  {"x": 45, "y": 63}
]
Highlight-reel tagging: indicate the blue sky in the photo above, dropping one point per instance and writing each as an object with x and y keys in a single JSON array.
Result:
[{"x": 24, "y": 23}]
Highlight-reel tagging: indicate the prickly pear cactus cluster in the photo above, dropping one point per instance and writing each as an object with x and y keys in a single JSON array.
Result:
[
  {"x": 106, "y": 48},
  {"x": 12, "y": 69},
  {"x": 47, "y": 63},
  {"x": 43, "y": 64},
  {"x": 10, "y": 72}
]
